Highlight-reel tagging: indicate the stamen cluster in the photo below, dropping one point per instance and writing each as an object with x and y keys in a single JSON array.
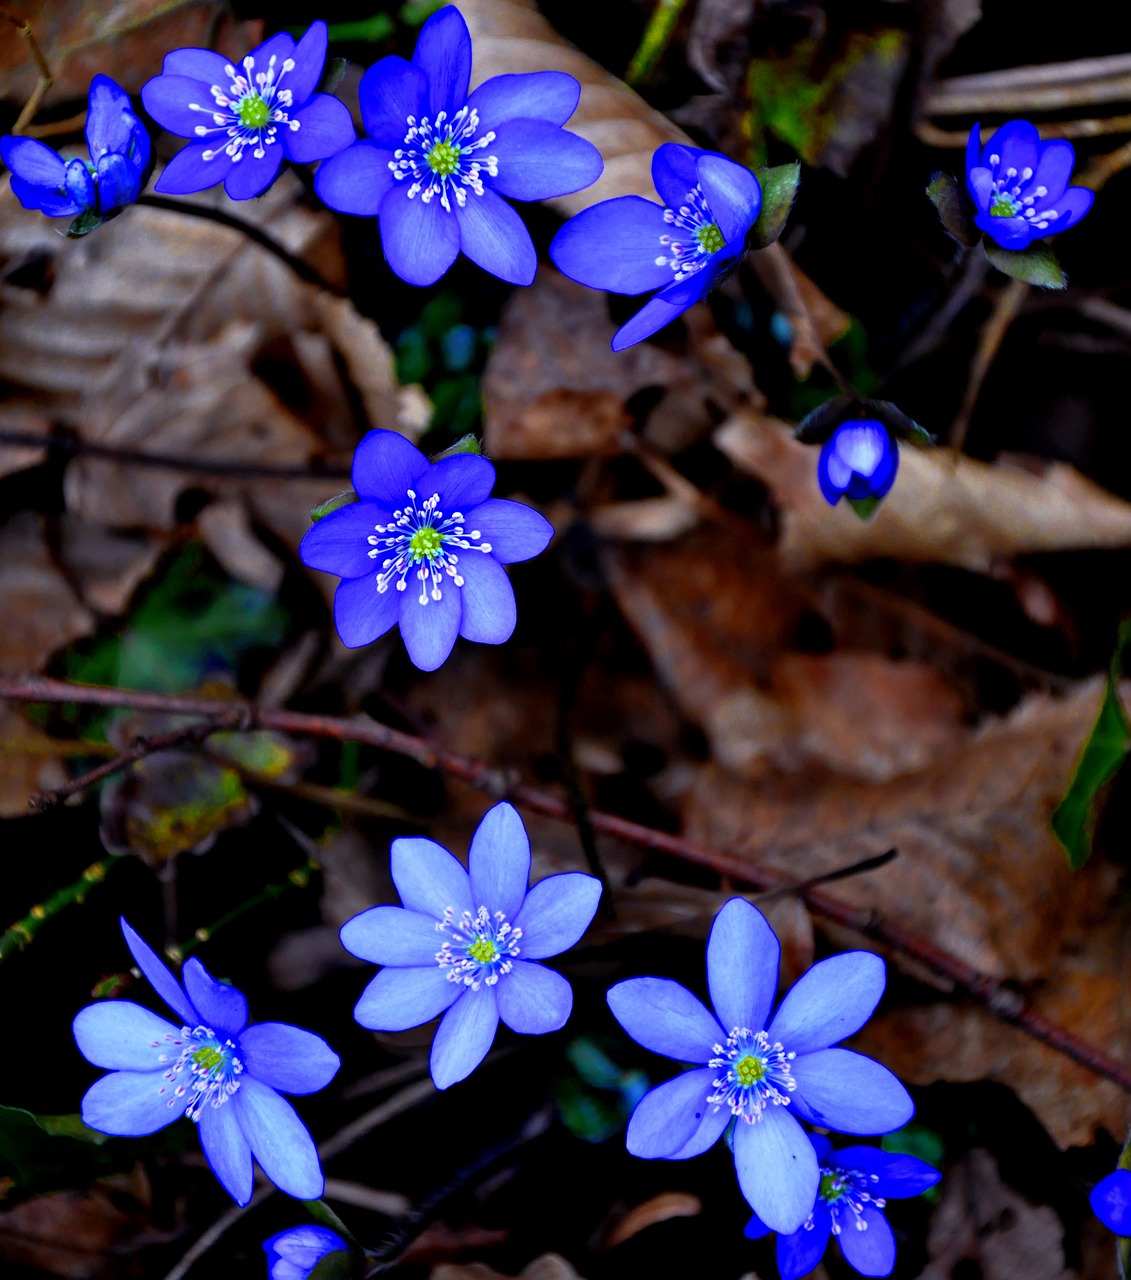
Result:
[
  {"x": 481, "y": 948},
  {"x": 212, "y": 1065},
  {"x": 688, "y": 255},
  {"x": 433, "y": 157},
  {"x": 847, "y": 1192},
  {"x": 755, "y": 1074},
  {"x": 420, "y": 536},
  {"x": 249, "y": 111}
]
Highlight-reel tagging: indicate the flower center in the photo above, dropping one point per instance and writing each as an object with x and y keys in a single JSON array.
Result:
[
  {"x": 200, "y": 1069},
  {"x": 421, "y": 537},
  {"x": 847, "y": 1193},
  {"x": 753, "y": 1074},
  {"x": 710, "y": 238},
  {"x": 1004, "y": 205},
  {"x": 479, "y": 948},
  {"x": 1006, "y": 200},
  {"x": 696, "y": 238},
  {"x": 253, "y": 111},
  {"x": 437, "y": 157},
  {"x": 248, "y": 111}
]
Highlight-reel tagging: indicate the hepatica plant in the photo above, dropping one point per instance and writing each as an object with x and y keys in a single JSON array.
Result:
[
  {"x": 211, "y": 1066},
  {"x": 438, "y": 161},
  {"x": 858, "y": 462},
  {"x": 293, "y": 1254},
  {"x": 757, "y": 1070},
  {"x": 466, "y": 944}
]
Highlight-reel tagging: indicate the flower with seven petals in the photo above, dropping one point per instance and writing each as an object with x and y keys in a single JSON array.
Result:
[
  {"x": 293, "y": 1254},
  {"x": 761, "y": 1071}
]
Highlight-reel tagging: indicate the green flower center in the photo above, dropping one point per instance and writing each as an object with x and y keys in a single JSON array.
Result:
[
  {"x": 749, "y": 1071},
  {"x": 443, "y": 159},
  {"x": 425, "y": 543},
  {"x": 710, "y": 238},
  {"x": 208, "y": 1058},
  {"x": 483, "y": 949},
  {"x": 1003, "y": 205},
  {"x": 253, "y": 112},
  {"x": 832, "y": 1187}
]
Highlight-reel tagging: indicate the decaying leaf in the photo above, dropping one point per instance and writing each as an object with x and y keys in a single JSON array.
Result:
[{"x": 661, "y": 1208}]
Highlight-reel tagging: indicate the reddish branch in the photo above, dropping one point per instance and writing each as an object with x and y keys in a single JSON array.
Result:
[{"x": 1006, "y": 1004}]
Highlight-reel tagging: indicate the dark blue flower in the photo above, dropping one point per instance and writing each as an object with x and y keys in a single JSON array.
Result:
[
  {"x": 858, "y": 462},
  {"x": 465, "y": 944},
  {"x": 761, "y": 1071},
  {"x": 855, "y": 1185},
  {"x": 246, "y": 120},
  {"x": 1111, "y": 1201},
  {"x": 1020, "y": 185},
  {"x": 293, "y": 1254},
  {"x": 211, "y": 1066},
  {"x": 423, "y": 548},
  {"x": 438, "y": 161},
  {"x": 632, "y": 245},
  {"x": 119, "y": 157}
]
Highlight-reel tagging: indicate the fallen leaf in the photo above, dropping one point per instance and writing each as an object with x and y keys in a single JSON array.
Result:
[{"x": 668, "y": 1204}]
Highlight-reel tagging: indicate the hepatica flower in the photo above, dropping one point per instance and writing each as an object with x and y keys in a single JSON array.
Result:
[
  {"x": 244, "y": 120},
  {"x": 466, "y": 944},
  {"x": 858, "y": 462},
  {"x": 762, "y": 1071},
  {"x": 293, "y": 1254},
  {"x": 438, "y": 160},
  {"x": 1111, "y": 1201},
  {"x": 1020, "y": 185},
  {"x": 424, "y": 548},
  {"x": 855, "y": 1185},
  {"x": 88, "y": 191},
  {"x": 680, "y": 247},
  {"x": 208, "y": 1065}
]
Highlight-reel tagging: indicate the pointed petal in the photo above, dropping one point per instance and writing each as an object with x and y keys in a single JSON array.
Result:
[
  {"x": 188, "y": 171},
  {"x": 288, "y": 1058},
  {"x": 398, "y": 999},
  {"x": 1010, "y": 233},
  {"x": 495, "y": 238},
  {"x": 309, "y": 58},
  {"x": 841, "y": 1090},
  {"x": 222, "y": 1007},
  {"x": 799, "y": 1253},
  {"x": 385, "y": 467},
  {"x": 300, "y": 1249},
  {"x": 537, "y": 95},
  {"x": 897, "y": 1176},
  {"x": 363, "y": 614},
  {"x": 1111, "y": 1201},
  {"x": 668, "y": 1117},
  {"x": 514, "y": 530},
  {"x": 278, "y": 1139},
  {"x": 614, "y": 245},
  {"x": 464, "y": 1036},
  {"x": 974, "y": 149},
  {"x": 556, "y": 912},
  {"x": 462, "y": 482},
  {"x": 742, "y": 967},
  {"x": 777, "y": 1169},
  {"x": 981, "y": 184},
  {"x": 171, "y": 101},
  {"x": 429, "y": 630},
  {"x": 421, "y": 241},
  {"x": 392, "y": 935},
  {"x": 871, "y": 1252},
  {"x": 533, "y": 1000},
  {"x": 110, "y": 121},
  {"x": 325, "y": 127},
  {"x": 443, "y": 52},
  {"x": 339, "y": 542},
  {"x": 355, "y": 180},
  {"x": 227, "y": 1151},
  {"x": 732, "y": 194},
  {"x": 539, "y": 160},
  {"x": 675, "y": 172},
  {"x": 33, "y": 161},
  {"x": 428, "y": 878},
  {"x": 833, "y": 1000},
  {"x": 710, "y": 1129},
  {"x": 252, "y": 175},
  {"x": 391, "y": 91},
  {"x": 650, "y": 319},
  {"x": 122, "y": 1036},
  {"x": 80, "y": 184},
  {"x": 665, "y": 1017},
  {"x": 130, "y": 1104},
  {"x": 489, "y": 613},
  {"x": 499, "y": 861},
  {"x": 159, "y": 977},
  {"x": 755, "y": 1229}
]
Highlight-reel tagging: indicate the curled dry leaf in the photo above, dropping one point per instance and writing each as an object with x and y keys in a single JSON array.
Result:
[
  {"x": 42, "y": 613},
  {"x": 668, "y": 1204}
]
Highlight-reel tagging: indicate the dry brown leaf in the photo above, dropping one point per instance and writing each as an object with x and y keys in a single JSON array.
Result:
[
  {"x": 550, "y": 1266},
  {"x": 41, "y": 613},
  {"x": 668, "y": 1204}
]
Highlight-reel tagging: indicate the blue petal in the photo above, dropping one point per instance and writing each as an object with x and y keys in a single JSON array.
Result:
[
  {"x": 495, "y": 238},
  {"x": 514, "y": 530},
  {"x": 742, "y": 967},
  {"x": 429, "y": 630},
  {"x": 227, "y": 1151},
  {"x": 732, "y": 194},
  {"x": 325, "y": 127},
  {"x": 293, "y": 1254},
  {"x": 309, "y": 58},
  {"x": 170, "y": 100},
  {"x": 110, "y": 121},
  {"x": 488, "y": 609},
  {"x": 50, "y": 203},
  {"x": 465, "y": 1034},
  {"x": 499, "y": 861},
  {"x": 1111, "y": 1201},
  {"x": 339, "y": 542},
  {"x": 1053, "y": 171},
  {"x": 288, "y": 1058},
  {"x": 80, "y": 184},
  {"x": 841, "y": 1090},
  {"x": 669, "y": 1116},
  {"x": 443, "y": 53},
  {"x": 188, "y": 171},
  {"x": 385, "y": 467},
  {"x": 533, "y": 1000},
  {"x": 119, "y": 182},
  {"x": 122, "y": 1036},
  {"x": 131, "y": 1104},
  {"x": 391, "y": 91},
  {"x": 222, "y": 1007},
  {"x": 159, "y": 977},
  {"x": 251, "y": 175},
  {"x": 557, "y": 911},
  {"x": 980, "y": 183},
  {"x": 755, "y": 1229},
  {"x": 537, "y": 95},
  {"x": 1010, "y": 233},
  {"x": 392, "y": 935},
  {"x": 897, "y": 1176},
  {"x": 1070, "y": 208},
  {"x": 777, "y": 1169},
  {"x": 397, "y": 999},
  {"x": 35, "y": 163},
  {"x": 363, "y": 614},
  {"x": 421, "y": 241},
  {"x": 539, "y": 160},
  {"x": 871, "y": 1251},
  {"x": 651, "y": 318},
  {"x": 280, "y": 46},
  {"x": 278, "y": 1139},
  {"x": 428, "y": 878},
  {"x": 712, "y": 1124},
  {"x": 199, "y": 64},
  {"x": 675, "y": 172},
  {"x": 1017, "y": 146},
  {"x": 801, "y": 1251},
  {"x": 462, "y": 482},
  {"x": 831, "y": 1001},
  {"x": 356, "y": 180},
  {"x": 974, "y": 150},
  {"x": 665, "y": 1017},
  {"x": 614, "y": 246},
  {"x": 823, "y": 1147}
]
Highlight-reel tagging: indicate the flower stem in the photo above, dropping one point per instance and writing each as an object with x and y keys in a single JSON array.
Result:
[
  {"x": 19, "y": 935},
  {"x": 657, "y": 35}
]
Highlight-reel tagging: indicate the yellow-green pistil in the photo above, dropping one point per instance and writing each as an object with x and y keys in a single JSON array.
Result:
[
  {"x": 710, "y": 238},
  {"x": 254, "y": 113},
  {"x": 749, "y": 1071},
  {"x": 483, "y": 950},
  {"x": 832, "y": 1187},
  {"x": 424, "y": 543},
  {"x": 1004, "y": 205},
  {"x": 208, "y": 1058},
  {"x": 443, "y": 159}
]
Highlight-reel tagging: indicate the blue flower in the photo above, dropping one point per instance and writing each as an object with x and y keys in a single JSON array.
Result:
[
  {"x": 632, "y": 245},
  {"x": 94, "y": 191},
  {"x": 423, "y": 548},
  {"x": 438, "y": 161},
  {"x": 211, "y": 1066},
  {"x": 293, "y": 1254},
  {"x": 1020, "y": 185},
  {"x": 246, "y": 120},
  {"x": 1111, "y": 1201},
  {"x": 465, "y": 944},
  {"x": 761, "y": 1071},
  {"x": 855, "y": 1185},
  {"x": 858, "y": 462}
]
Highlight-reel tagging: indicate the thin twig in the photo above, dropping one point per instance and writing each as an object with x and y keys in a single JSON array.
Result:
[
  {"x": 1050, "y": 87},
  {"x": 965, "y": 285},
  {"x": 655, "y": 40},
  {"x": 1006, "y": 309},
  {"x": 1004, "y": 1003},
  {"x": 956, "y": 139},
  {"x": 18, "y": 935},
  {"x": 45, "y": 80}
]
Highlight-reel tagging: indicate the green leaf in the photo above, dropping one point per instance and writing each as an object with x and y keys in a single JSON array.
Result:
[
  {"x": 779, "y": 189},
  {"x": 1035, "y": 265},
  {"x": 321, "y": 1212},
  {"x": 343, "y": 499},
  {"x": 865, "y": 508},
  {"x": 465, "y": 444},
  {"x": 945, "y": 194},
  {"x": 417, "y": 12},
  {"x": 52, "y": 1153},
  {"x": 1074, "y": 819},
  {"x": 84, "y": 224},
  {"x": 338, "y": 1265}
]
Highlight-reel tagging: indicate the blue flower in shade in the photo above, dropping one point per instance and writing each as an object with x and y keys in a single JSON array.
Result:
[
  {"x": 632, "y": 245},
  {"x": 761, "y": 1071},
  {"x": 438, "y": 161},
  {"x": 858, "y": 462},
  {"x": 465, "y": 944},
  {"x": 423, "y": 548},
  {"x": 1020, "y": 185},
  {"x": 94, "y": 191},
  {"x": 855, "y": 1185},
  {"x": 1111, "y": 1201},
  {"x": 293, "y": 1254},
  {"x": 211, "y": 1066},
  {"x": 245, "y": 120}
]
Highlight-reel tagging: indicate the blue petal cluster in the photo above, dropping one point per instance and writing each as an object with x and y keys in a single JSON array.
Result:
[
  {"x": 1111, "y": 1201},
  {"x": 293, "y": 1254},
  {"x": 761, "y": 1070},
  {"x": 858, "y": 461},
  {"x": 425, "y": 548},
  {"x": 245, "y": 120},
  {"x": 466, "y": 944},
  {"x": 856, "y": 1183},
  {"x": 211, "y": 1066},
  {"x": 438, "y": 161},
  {"x": 1020, "y": 185},
  {"x": 680, "y": 247},
  {"x": 119, "y": 157}
]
